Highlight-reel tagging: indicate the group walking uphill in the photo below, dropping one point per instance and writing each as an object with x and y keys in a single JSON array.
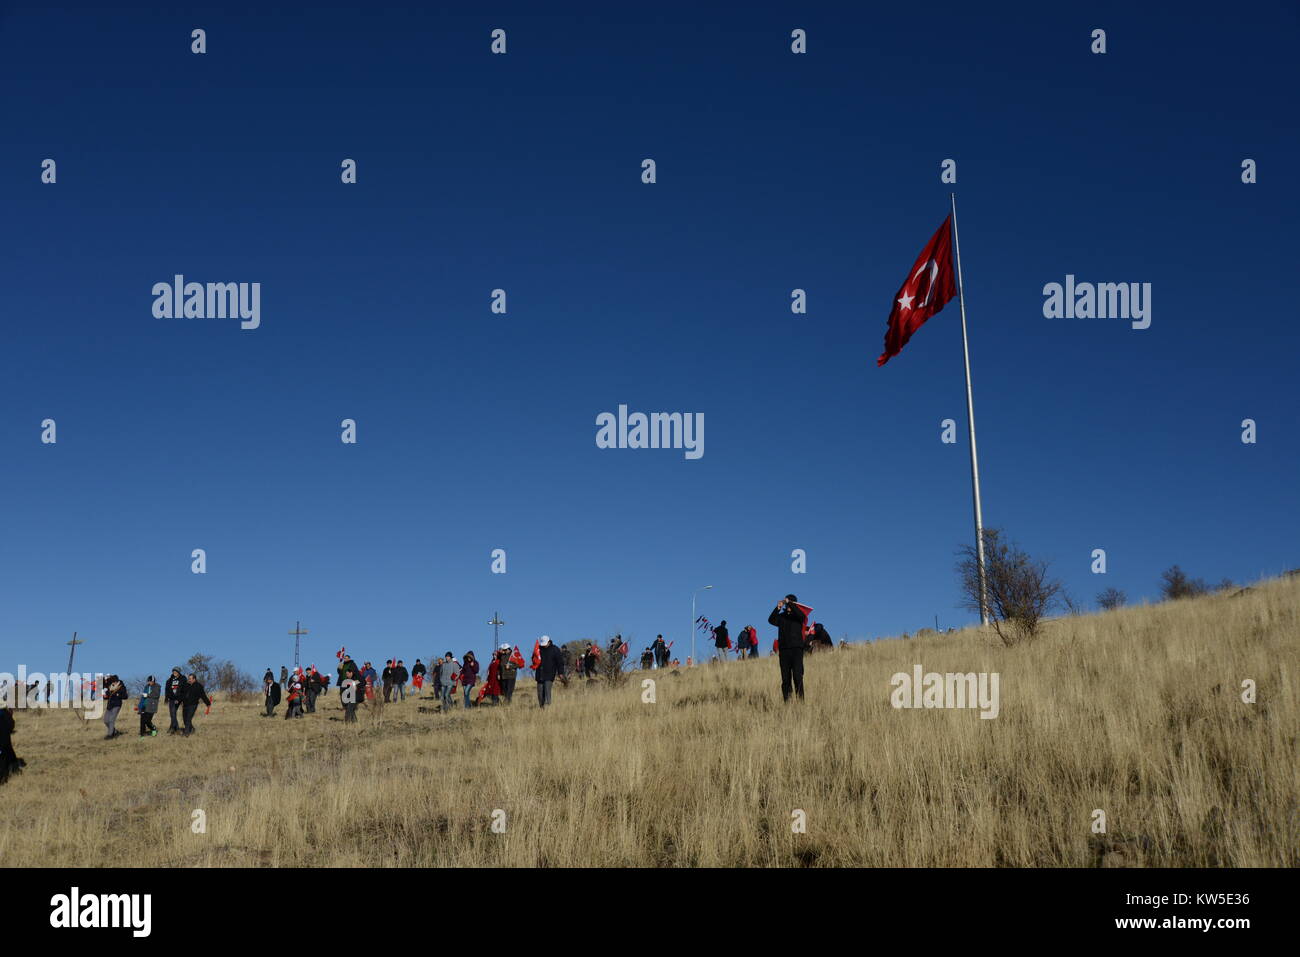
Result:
[
  {"x": 182, "y": 693},
  {"x": 454, "y": 682}
]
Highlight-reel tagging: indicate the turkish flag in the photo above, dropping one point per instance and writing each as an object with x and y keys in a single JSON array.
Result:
[
  {"x": 807, "y": 618},
  {"x": 537, "y": 654},
  {"x": 517, "y": 659},
  {"x": 929, "y": 285}
]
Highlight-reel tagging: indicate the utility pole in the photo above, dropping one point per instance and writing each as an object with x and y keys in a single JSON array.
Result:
[
  {"x": 496, "y": 624},
  {"x": 298, "y": 632},
  {"x": 73, "y": 650}
]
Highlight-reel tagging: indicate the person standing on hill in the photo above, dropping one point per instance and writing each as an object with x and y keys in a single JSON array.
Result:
[
  {"x": 469, "y": 675},
  {"x": 742, "y": 643},
  {"x": 10, "y": 763},
  {"x": 550, "y": 666},
  {"x": 194, "y": 693},
  {"x": 789, "y": 620},
  {"x": 387, "y": 678},
  {"x": 315, "y": 688},
  {"x": 448, "y": 672},
  {"x": 418, "y": 671},
  {"x": 149, "y": 707},
  {"x": 349, "y": 694},
  {"x": 508, "y": 672},
  {"x": 272, "y": 689},
  {"x": 284, "y": 675},
  {"x": 114, "y": 695},
  {"x": 400, "y": 677},
  {"x": 295, "y": 693},
  {"x": 721, "y": 641},
  {"x": 660, "y": 648},
  {"x": 174, "y": 693}
]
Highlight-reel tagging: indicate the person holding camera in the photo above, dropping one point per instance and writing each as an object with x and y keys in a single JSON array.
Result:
[{"x": 789, "y": 620}]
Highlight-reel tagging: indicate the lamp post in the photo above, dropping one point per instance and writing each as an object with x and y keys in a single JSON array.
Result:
[{"x": 695, "y": 660}]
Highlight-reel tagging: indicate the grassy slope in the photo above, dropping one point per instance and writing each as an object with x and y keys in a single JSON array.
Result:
[{"x": 1137, "y": 712}]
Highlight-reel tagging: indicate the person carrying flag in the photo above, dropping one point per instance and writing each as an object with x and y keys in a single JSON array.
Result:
[
  {"x": 661, "y": 652},
  {"x": 511, "y": 661},
  {"x": 789, "y": 620},
  {"x": 418, "y": 671},
  {"x": 492, "y": 685},
  {"x": 721, "y": 641}
]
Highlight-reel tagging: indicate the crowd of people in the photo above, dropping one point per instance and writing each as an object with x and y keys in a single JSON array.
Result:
[{"x": 453, "y": 681}]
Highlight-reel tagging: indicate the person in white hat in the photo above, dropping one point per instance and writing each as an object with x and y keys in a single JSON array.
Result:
[
  {"x": 507, "y": 671},
  {"x": 549, "y": 667}
]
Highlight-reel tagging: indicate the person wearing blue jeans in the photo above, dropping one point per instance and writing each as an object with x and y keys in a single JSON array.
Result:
[
  {"x": 469, "y": 675},
  {"x": 448, "y": 672}
]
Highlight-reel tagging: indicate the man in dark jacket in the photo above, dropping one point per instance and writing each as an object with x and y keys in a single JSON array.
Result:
[
  {"x": 272, "y": 689},
  {"x": 400, "y": 677},
  {"x": 506, "y": 672},
  {"x": 789, "y": 620},
  {"x": 315, "y": 687},
  {"x": 660, "y": 648},
  {"x": 194, "y": 693},
  {"x": 721, "y": 641},
  {"x": 174, "y": 693},
  {"x": 549, "y": 667}
]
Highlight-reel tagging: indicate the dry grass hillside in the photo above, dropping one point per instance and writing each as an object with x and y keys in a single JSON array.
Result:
[{"x": 1136, "y": 712}]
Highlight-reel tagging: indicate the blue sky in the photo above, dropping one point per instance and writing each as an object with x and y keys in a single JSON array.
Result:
[{"x": 477, "y": 431}]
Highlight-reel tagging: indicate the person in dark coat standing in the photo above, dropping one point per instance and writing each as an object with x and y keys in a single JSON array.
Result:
[
  {"x": 721, "y": 641},
  {"x": 10, "y": 763},
  {"x": 174, "y": 693},
  {"x": 194, "y": 693},
  {"x": 350, "y": 693},
  {"x": 149, "y": 707},
  {"x": 315, "y": 688},
  {"x": 400, "y": 677},
  {"x": 660, "y": 648},
  {"x": 272, "y": 690},
  {"x": 549, "y": 667},
  {"x": 789, "y": 620}
]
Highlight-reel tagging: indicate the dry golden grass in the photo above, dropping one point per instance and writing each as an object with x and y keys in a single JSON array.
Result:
[{"x": 1137, "y": 712}]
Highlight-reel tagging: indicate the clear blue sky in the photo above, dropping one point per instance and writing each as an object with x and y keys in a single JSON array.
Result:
[{"x": 522, "y": 171}]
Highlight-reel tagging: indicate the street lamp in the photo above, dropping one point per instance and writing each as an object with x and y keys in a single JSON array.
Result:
[{"x": 695, "y": 660}]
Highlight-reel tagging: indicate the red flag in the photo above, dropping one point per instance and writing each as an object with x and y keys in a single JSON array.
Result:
[
  {"x": 537, "y": 654},
  {"x": 517, "y": 659},
  {"x": 807, "y": 618},
  {"x": 929, "y": 285},
  {"x": 622, "y": 649}
]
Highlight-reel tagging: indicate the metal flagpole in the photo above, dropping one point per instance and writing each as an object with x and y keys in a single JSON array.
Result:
[{"x": 970, "y": 418}]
